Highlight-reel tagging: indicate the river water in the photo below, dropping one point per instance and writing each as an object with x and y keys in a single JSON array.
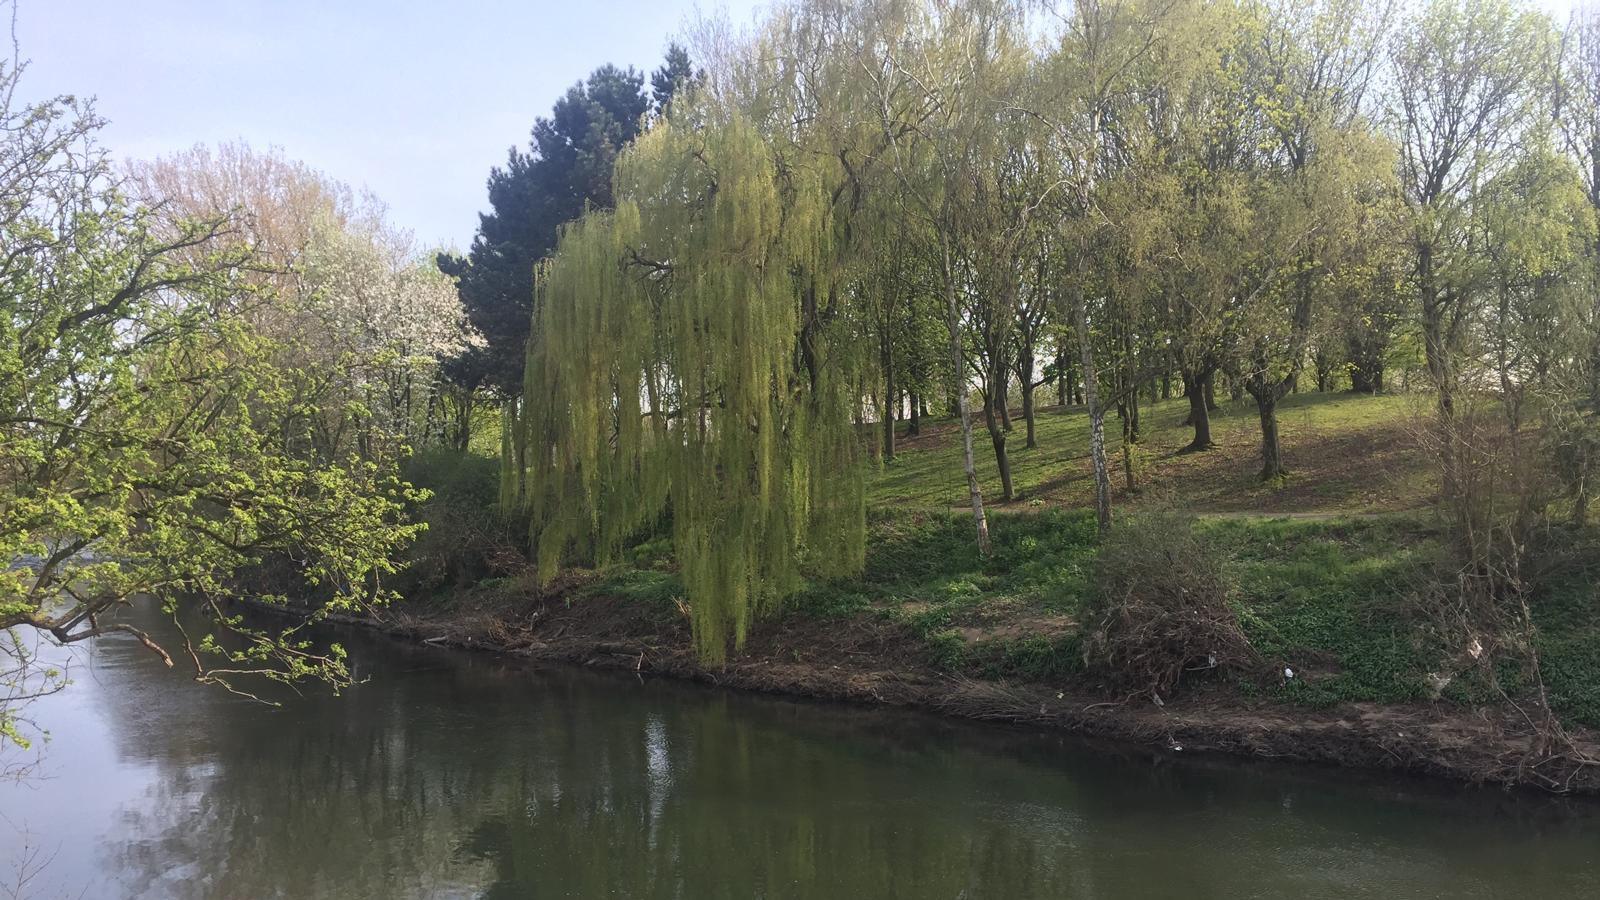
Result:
[{"x": 449, "y": 774}]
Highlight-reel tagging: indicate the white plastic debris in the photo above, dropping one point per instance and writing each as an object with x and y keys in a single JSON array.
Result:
[{"x": 1437, "y": 682}]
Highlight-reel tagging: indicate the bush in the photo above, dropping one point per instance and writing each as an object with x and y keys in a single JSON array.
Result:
[
  {"x": 1159, "y": 609},
  {"x": 468, "y": 538}
]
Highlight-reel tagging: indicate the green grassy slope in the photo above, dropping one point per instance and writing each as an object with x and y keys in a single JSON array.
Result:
[
  {"x": 1345, "y": 452},
  {"x": 1324, "y": 566}
]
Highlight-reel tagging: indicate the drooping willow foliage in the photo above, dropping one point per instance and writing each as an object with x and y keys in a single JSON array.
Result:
[{"x": 682, "y": 367}]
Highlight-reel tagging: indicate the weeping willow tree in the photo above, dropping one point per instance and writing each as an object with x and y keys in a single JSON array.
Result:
[{"x": 677, "y": 371}]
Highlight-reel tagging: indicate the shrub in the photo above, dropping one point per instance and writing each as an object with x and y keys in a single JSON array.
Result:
[
  {"x": 1159, "y": 609},
  {"x": 468, "y": 538}
]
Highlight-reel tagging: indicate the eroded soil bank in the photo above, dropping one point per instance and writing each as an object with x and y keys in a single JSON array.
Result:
[{"x": 867, "y": 661}]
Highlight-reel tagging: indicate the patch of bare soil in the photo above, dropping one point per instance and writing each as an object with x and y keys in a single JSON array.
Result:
[
  {"x": 1334, "y": 470},
  {"x": 1015, "y": 627},
  {"x": 1378, "y": 468},
  {"x": 877, "y": 661},
  {"x": 931, "y": 433}
]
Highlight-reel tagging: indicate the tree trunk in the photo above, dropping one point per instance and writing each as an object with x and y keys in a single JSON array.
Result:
[
  {"x": 1211, "y": 391},
  {"x": 1127, "y": 452},
  {"x": 1061, "y": 375},
  {"x": 997, "y": 436},
  {"x": 1002, "y": 402},
  {"x": 1436, "y": 341},
  {"x": 1025, "y": 381},
  {"x": 1128, "y": 405},
  {"x": 1594, "y": 352},
  {"x": 1325, "y": 368},
  {"x": 1437, "y": 352},
  {"x": 891, "y": 397},
  {"x": 1365, "y": 347},
  {"x": 1097, "y": 416},
  {"x": 915, "y": 427},
  {"x": 958, "y": 367},
  {"x": 1194, "y": 387},
  {"x": 1271, "y": 453},
  {"x": 464, "y": 435},
  {"x": 1366, "y": 378},
  {"x": 1032, "y": 443},
  {"x": 974, "y": 490}
]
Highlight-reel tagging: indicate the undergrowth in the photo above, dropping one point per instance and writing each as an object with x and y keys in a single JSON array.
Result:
[{"x": 1328, "y": 600}]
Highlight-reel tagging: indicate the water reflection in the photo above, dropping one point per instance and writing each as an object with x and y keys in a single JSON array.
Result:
[{"x": 450, "y": 775}]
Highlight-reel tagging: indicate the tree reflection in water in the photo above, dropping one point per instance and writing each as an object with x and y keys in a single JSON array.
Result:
[{"x": 452, "y": 775}]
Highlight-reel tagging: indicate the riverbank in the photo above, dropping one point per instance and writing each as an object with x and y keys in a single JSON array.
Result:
[
  {"x": 1322, "y": 576},
  {"x": 861, "y": 657},
  {"x": 448, "y": 773}
]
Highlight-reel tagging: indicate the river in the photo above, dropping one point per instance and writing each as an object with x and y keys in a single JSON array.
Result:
[{"x": 448, "y": 774}]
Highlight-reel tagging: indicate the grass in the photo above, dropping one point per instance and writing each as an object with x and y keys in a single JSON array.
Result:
[
  {"x": 1330, "y": 599},
  {"x": 1327, "y": 597},
  {"x": 1010, "y": 614},
  {"x": 1324, "y": 588},
  {"x": 1346, "y": 453},
  {"x": 1324, "y": 565},
  {"x": 1566, "y": 613}
]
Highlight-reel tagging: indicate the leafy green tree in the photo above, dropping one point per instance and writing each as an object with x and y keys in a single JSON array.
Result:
[
  {"x": 1466, "y": 80},
  {"x": 367, "y": 320},
  {"x": 667, "y": 371},
  {"x": 1097, "y": 65},
  {"x": 1575, "y": 109},
  {"x": 149, "y": 444},
  {"x": 941, "y": 150},
  {"x": 675, "y": 76},
  {"x": 1369, "y": 282},
  {"x": 1316, "y": 59}
]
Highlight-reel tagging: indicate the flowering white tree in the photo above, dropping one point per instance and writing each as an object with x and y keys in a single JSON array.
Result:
[
  {"x": 390, "y": 317},
  {"x": 366, "y": 318}
]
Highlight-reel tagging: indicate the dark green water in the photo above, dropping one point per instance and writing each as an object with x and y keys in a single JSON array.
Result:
[{"x": 454, "y": 775}]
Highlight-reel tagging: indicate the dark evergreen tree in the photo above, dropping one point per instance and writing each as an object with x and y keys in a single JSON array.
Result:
[
  {"x": 566, "y": 169},
  {"x": 674, "y": 75}
]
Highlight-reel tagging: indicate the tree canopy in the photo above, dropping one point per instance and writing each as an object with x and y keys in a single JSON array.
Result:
[{"x": 566, "y": 170}]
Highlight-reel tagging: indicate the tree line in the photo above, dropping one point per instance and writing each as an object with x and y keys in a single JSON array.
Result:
[
  {"x": 212, "y": 366},
  {"x": 864, "y": 210},
  {"x": 221, "y": 371},
  {"x": 694, "y": 290}
]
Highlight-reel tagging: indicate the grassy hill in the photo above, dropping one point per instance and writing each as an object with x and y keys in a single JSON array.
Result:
[
  {"x": 1323, "y": 572},
  {"x": 1346, "y": 452}
]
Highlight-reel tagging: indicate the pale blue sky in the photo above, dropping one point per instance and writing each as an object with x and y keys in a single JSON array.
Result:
[
  {"x": 414, "y": 99},
  {"x": 410, "y": 98}
]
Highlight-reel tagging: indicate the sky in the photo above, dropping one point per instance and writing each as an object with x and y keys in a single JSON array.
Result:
[{"x": 412, "y": 99}]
